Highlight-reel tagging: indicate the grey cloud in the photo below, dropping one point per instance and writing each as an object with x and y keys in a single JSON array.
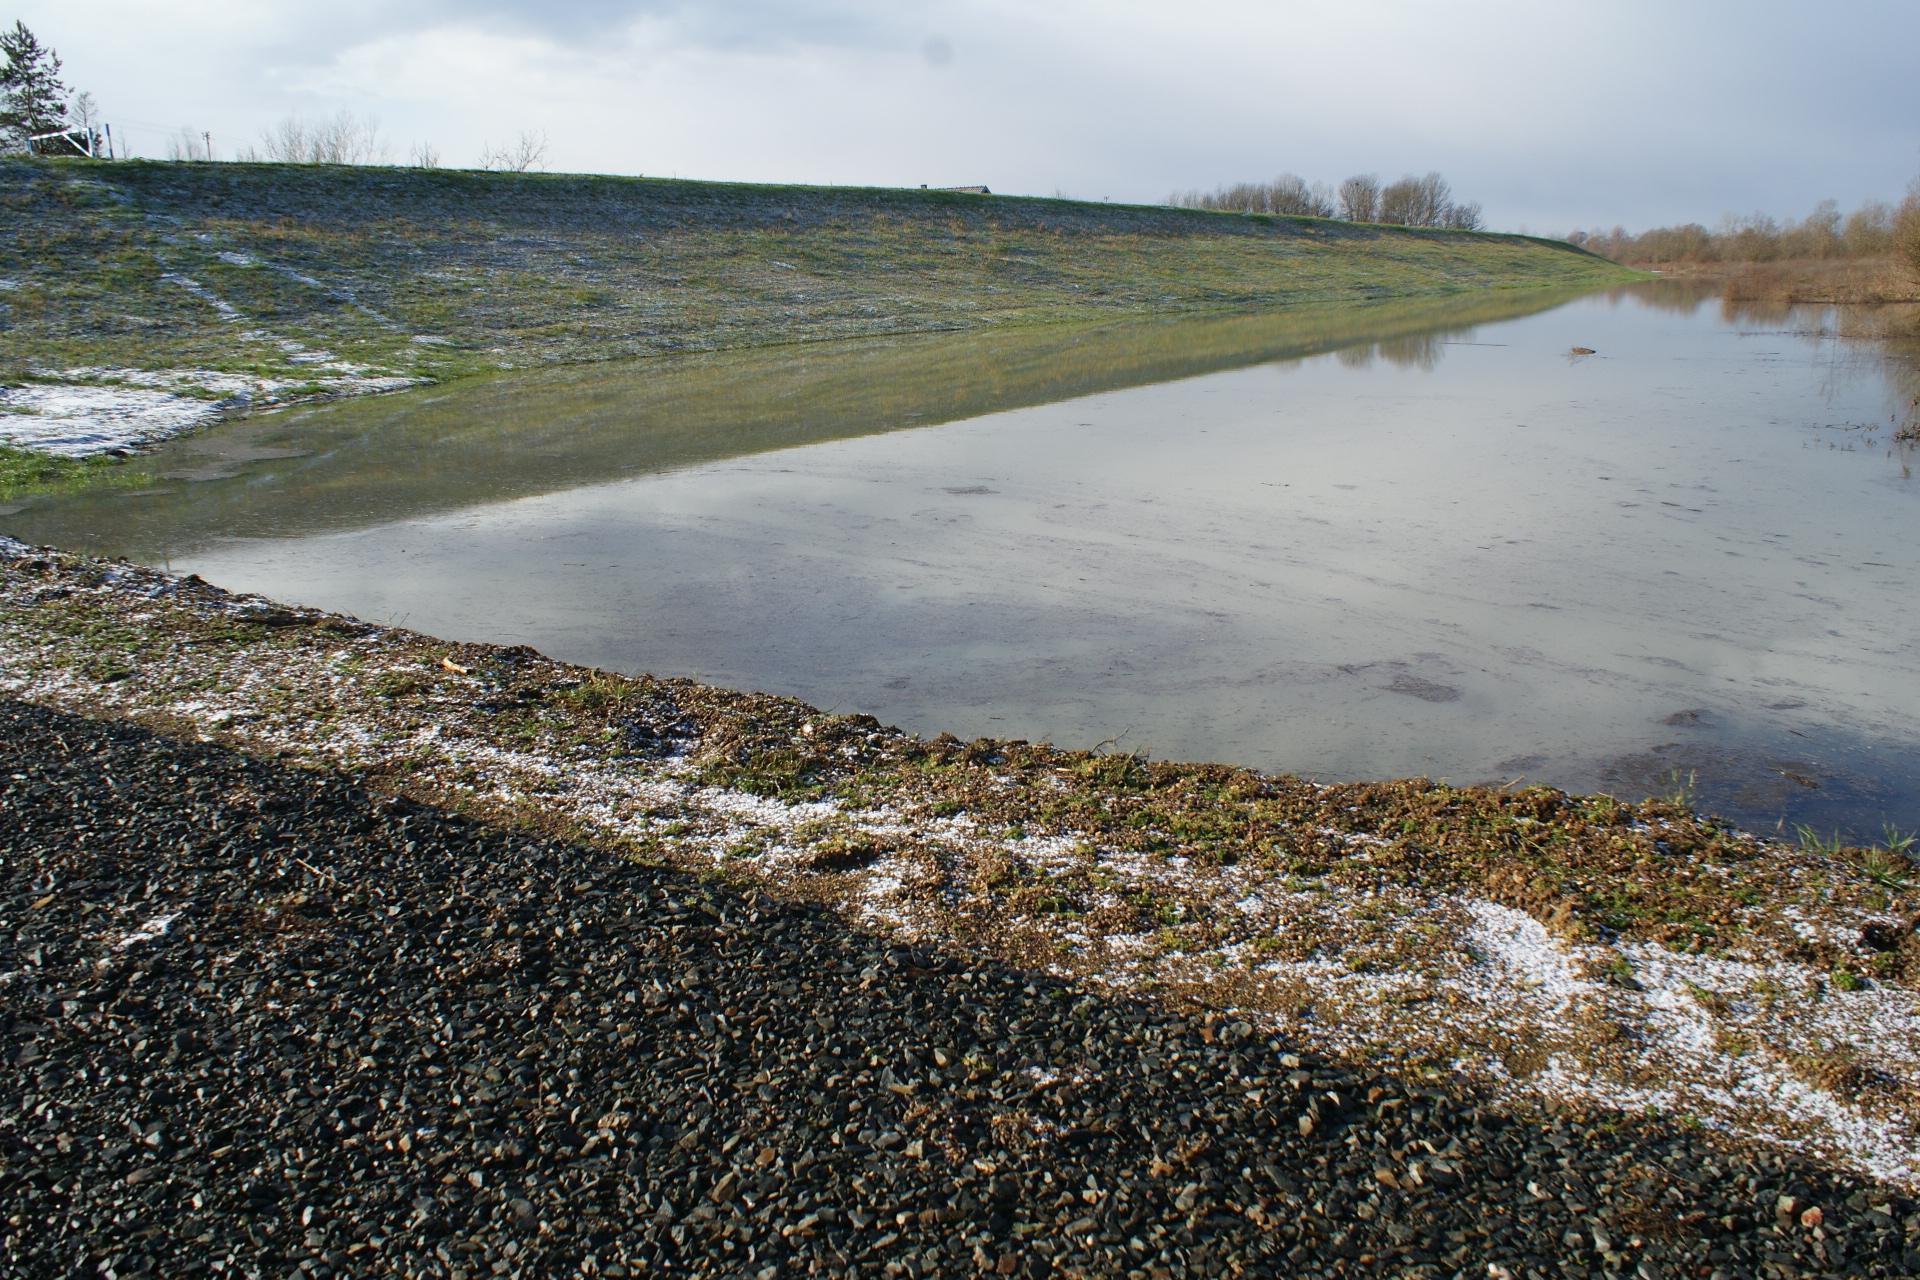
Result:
[{"x": 737, "y": 24}]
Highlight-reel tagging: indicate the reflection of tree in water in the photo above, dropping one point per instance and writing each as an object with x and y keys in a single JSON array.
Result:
[
  {"x": 1880, "y": 340},
  {"x": 1415, "y": 351},
  {"x": 1411, "y": 351},
  {"x": 1677, "y": 297},
  {"x": 1903, "y": 371},
  {"x": 1766, "y": 313}
]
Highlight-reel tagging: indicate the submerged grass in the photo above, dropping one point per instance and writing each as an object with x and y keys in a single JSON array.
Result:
[{"x": 24, "y": 472}]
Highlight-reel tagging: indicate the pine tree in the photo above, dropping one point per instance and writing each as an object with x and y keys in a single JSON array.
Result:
[{"x": 32, "y": 99}]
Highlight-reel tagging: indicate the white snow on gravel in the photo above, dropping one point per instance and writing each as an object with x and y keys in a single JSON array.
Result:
[
  {"x": 1522, "y": 955},
  {"x": 154, "y": 928}
]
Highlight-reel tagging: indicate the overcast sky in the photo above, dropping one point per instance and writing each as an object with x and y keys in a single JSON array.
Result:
[{"x": 1552, "y": 115}]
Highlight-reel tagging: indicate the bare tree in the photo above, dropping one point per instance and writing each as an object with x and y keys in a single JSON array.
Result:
[
  {"x": 1868, "y": 231},
  {"x": 344, "y": 138},
  {"x": 529, "y": 151},
  {"x": 84, "y": 112},
  {"x": 425, "y": 156},
  {"x": 1400, "y": 202},
  {"x": 1289, "y": 194},
  {"x": 189, "y": 144},
  {"x": 1817, "y": 236},
  {"x": 1906, "y": 231},
  {"x": 1418, "y": 202},
  {"x": 1413, "y": 202},
  {"x": 1360, "y": 198},
  {"x": 1435, "y": 201},
  {"x": 1755, "y": 238}
]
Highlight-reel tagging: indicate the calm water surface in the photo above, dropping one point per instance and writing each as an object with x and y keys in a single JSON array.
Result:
[{"x": 1453, "y": 549}]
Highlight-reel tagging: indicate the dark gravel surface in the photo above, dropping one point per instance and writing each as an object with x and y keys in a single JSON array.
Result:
[{"x": 375, "y": 1039}]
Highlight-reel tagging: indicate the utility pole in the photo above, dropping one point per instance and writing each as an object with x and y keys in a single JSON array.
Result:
[
  {"x": 206, "y": 136},
  {"x": 109, "y": 129}
]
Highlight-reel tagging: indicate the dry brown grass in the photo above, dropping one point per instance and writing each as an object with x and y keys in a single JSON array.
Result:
[{"x": 1842, "y": 281}]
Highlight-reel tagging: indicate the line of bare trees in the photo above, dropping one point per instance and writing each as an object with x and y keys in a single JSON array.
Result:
[
  {"x": 347, "y": 138},
  {"x": 344, "y": 138},
  {"x": 1876, "y": 229},
  {"x": 1411, "y": 202}
]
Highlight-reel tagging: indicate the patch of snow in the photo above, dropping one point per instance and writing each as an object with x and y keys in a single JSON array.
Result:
[
  {"x": 154, "y": 928},
  {"x": 299, "y": 278},
  {"x": 77, "y": 422},
  {"x": 226, "y": 309},
  {"x": 233, "y": 259},
  {"x": 1523, "y": 954},
  {"x": 95, "y": 410}
]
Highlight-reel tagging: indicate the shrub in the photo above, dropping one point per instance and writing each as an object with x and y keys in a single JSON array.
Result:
[{"x": 1906, "y": 231}]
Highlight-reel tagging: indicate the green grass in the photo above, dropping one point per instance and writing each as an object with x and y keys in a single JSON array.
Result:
[
  {"x": 23, "y": 472},
  {"x": 1813, "y": 842},
  {"x": 538, "y": 269}
]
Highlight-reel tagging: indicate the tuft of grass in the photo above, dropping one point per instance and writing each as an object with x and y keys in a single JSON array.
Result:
[
  {"x": 1888, "y": 868},
  {"x": 1813, "y": 842},
  {"x": 1682, "y": 790}
]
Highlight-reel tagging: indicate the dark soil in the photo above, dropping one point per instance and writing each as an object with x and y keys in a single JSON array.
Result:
[{"x": 379, "y": 1039}]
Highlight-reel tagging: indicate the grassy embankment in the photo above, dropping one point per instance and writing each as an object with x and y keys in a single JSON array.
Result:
[{"x": 300, "y": 280}]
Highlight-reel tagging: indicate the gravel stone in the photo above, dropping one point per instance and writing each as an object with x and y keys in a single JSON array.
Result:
[{"x": 375, "y": 1039}]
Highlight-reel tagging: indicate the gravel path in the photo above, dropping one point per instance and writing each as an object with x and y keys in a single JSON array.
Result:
[{"x": 261, "y": 1022}]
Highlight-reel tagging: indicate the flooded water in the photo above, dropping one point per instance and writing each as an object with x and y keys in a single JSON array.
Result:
[{"x": 1344, "y": 545}]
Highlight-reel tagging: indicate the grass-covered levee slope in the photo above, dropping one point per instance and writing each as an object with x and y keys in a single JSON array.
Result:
[{"x": 257, "y": 269}]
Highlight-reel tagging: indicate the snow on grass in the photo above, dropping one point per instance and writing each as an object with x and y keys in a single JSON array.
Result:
[
  {"x": 80, "y": 421},
  {"x": 78, "y": 413},
  {"x": 226, "y": 310}
]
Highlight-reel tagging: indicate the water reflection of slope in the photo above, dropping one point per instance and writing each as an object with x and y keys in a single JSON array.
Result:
[{"x": 369, "y": 462}]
